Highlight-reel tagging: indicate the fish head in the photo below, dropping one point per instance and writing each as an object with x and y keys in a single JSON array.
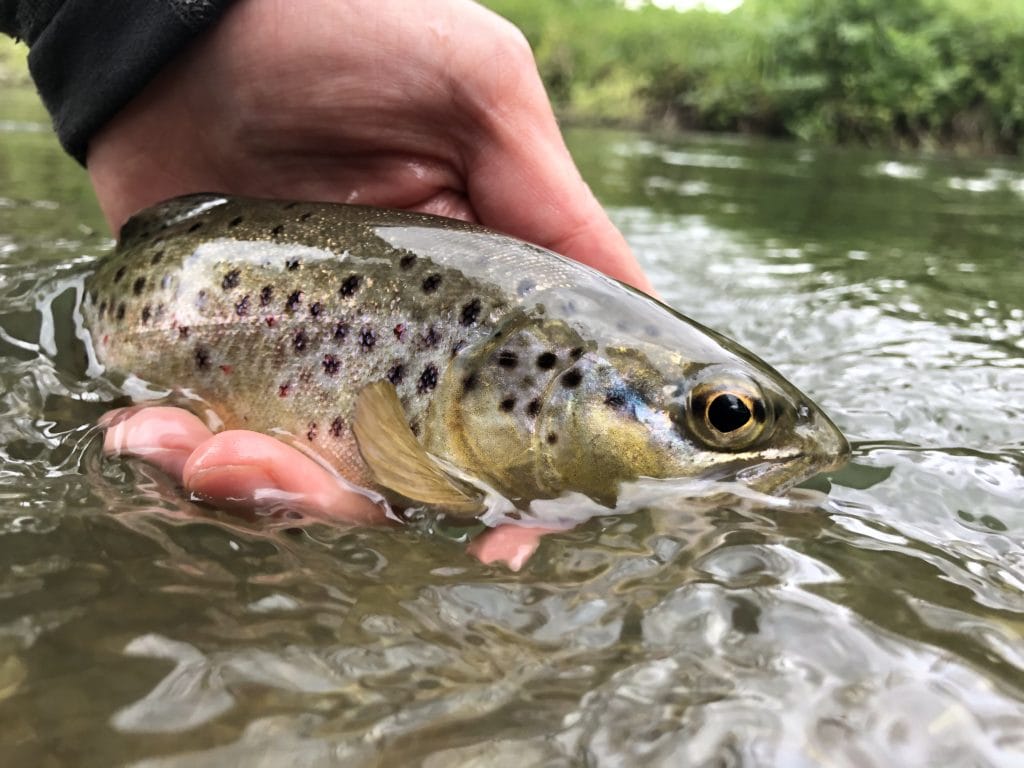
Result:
[{"x": 650, "y": 411}]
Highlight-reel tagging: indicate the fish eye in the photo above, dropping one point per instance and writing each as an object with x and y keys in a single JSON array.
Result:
[{"x": 728, "y": 413}]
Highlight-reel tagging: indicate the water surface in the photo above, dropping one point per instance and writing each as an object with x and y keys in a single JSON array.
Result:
[{"x": 882, "y": 624}]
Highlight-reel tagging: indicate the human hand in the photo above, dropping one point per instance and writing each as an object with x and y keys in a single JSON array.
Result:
[
  {"x": 434, "y": 106},
  {"x": 247, "y": 471}
]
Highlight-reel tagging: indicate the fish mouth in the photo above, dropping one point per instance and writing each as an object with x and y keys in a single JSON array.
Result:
[{"x": 779, "y": 475}]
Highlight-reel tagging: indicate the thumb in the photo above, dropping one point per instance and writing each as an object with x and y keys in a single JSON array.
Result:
[{"x": 522, "y": 181}]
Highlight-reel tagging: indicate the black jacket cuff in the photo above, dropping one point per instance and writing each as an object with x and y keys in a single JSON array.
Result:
[{"x": 94, "y": 56}]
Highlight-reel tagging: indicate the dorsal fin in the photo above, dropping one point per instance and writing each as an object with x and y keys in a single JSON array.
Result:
[{"x": 149, "y": 221}]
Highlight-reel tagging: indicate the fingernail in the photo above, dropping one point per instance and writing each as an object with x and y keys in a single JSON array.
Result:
[{"x": 231, "y": 483}]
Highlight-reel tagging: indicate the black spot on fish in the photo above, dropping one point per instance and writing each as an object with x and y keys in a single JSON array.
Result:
[
  {"x": 231, "y": 279},
  {"x": 183, "y": 332},
  {"x": 291, "y": 265},
  {"x": 201, "y": 300},
  {"x": 407, "y": 261},
  {"x": 615, "y": 399},
  {"x": 572, "y": 378},
  {"x": 202, "y": 357},
  {"x": 533, "y": 408},
  {"x": 552, "y": 438},
  {"x": 525, "y": 286},
  {"x": 120, "y": 273},
  {"x": 470, "y": 312},
  {"x": 349, "y": 286},
  {"x": 341, "y": 330},
  {"x": 306, "y": 216},
  {"x": 546, "y": 360},
  {"x": 331, "y": 365},
  {"x": 428, "y": 379},
  {"x": 508, "y": 359},
  {"x": 431, "y": 337},
  {"x": 458, "y": 346},
  {"x": 507, "y": 404},
  {"x": 120, "y": 311},
  {"x": 165, "y": 282},
  {"x": 367, "y": 338},
  {"x": 337, "y": 426},
  {"x": 576, "y": 353},
  {"x": 399, "y": 331},
  {"x": 294, "y": 299},
  {"x": 198, "y": 225},
  {"x": 397, "y": 374},
  {"x": 652, "y": 330},
  {"x": 278, "y": 230},
  {"x": 242, "y": 307},
  {"x": 103, "y": 308},
  {"x": 157, "y": 258},
  {"x": 311, "y": 432},
  {"x": 315, "y": 309},
  {"x": 146, "y": 313},
  {"x": 431, "y": 283},
  {"x": 266, "y": 295},
  {"x": 300, "y": 341},
  {"x": 469, "y": 383},
  {"x": 235, "y": 221},
  {"x": 289, "y": 206}
]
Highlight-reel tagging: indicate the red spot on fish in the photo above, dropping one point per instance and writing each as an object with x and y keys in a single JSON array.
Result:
[
  {"x": 270, "y": 321},
  {"x": 400, "y": 331},
  {"x": 106, "y": 339},
  {"x": 228, "y": 369},
  {"x": 284, "y": 389}
]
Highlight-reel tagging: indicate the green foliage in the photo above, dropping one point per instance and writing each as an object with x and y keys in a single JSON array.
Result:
[
  {"x": 13, "y": 65},
  {"x": 913, "y": 72}
]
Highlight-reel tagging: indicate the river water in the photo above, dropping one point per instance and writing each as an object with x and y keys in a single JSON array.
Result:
[{"x": 874, "y": 619}]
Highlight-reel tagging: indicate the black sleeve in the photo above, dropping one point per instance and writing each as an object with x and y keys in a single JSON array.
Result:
[{"x": 90, "y": 57}]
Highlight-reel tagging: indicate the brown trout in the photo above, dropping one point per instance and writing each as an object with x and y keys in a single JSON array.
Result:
[{"x": 382, "y": 340}]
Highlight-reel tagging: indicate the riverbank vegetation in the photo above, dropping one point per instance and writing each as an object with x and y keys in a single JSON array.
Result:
[
  {"x": 917, "y": 73},
  {"x": 920, "y": 73},
  {"x": 13, "y": 66}
]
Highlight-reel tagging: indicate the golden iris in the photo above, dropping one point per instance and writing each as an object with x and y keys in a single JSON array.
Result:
[{"x": 728, "y": 413}]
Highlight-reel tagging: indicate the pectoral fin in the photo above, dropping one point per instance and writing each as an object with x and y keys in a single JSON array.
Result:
[{"x": 397, "y": 459}]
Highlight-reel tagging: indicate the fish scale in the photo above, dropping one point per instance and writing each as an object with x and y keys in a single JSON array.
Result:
[{"x": 530, "y": 372}]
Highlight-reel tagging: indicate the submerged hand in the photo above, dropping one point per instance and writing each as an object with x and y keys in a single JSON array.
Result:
[
  {"x": 436, "y": 107},
  {"x": 248, "y": 470}
]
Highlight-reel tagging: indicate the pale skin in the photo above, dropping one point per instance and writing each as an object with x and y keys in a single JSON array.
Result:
[{"x": 430, "y": 105}]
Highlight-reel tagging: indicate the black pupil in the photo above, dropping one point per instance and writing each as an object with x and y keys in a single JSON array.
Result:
[{"x": 727, "y": 413}]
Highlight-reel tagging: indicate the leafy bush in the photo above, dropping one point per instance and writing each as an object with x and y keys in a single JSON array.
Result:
[{"x": 915, "y": 72}]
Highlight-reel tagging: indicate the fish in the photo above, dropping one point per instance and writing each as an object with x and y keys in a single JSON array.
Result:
[{"x": 428, "y": 359}]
